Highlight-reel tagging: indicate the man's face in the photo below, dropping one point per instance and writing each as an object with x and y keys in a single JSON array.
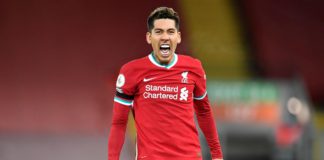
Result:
[{"x": 164, "y": 38}]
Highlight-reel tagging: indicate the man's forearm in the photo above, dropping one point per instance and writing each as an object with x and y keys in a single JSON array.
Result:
[
  {"x": 208, "y": 126},
  {"x": 116, "y": 141},
  {"x": 117, "y": 131}
]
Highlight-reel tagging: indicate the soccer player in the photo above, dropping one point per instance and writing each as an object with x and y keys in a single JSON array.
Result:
[{"x": 163, "y": 90}]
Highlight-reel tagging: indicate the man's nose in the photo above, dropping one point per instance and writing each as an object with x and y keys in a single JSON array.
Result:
[{"x": 165, "y": 36}]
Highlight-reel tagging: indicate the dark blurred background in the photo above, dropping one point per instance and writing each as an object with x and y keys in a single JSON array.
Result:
[{"x": 59, "y": 61}]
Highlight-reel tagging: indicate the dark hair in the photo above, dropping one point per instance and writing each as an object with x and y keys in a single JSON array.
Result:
[{"x": 162, "y": 13}]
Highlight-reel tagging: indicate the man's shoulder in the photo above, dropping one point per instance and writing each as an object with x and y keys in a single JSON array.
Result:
[
  {"x": 135, "y": 63},
  {"x": 189, "y": 60}
]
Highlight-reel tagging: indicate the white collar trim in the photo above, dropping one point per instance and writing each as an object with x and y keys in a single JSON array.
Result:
[{"x": 168, "y": 66}]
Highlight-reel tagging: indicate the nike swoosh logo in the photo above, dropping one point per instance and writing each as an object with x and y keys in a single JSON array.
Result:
[{"x": 148, "y": 79}]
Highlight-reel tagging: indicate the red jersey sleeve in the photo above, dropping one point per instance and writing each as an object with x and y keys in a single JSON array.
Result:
[
  {"x": 126, "y": 85},
  {"x": 200, "y": 87},
  {"x": 117, "y": 130},
  {"x": 204, "y": 115},
  {"x": 123, "y": 100}
]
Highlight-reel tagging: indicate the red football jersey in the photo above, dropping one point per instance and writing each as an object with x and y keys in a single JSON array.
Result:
[{"x": 162, "y": 100}]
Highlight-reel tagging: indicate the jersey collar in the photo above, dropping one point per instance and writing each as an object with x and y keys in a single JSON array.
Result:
[{"x": 168, "y": 66}]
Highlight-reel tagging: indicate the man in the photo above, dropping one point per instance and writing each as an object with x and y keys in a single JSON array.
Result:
[{"x": 163, "y": 90}]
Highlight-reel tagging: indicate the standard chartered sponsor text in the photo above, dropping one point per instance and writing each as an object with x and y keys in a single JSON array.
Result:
[
  {"x": 160, "y": 95},
  {"x": 164, "y": 88},
  {"x": 172, "y": 92}
]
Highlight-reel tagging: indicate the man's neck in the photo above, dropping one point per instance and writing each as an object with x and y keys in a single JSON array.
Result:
[{"x": 163, "y": 63}]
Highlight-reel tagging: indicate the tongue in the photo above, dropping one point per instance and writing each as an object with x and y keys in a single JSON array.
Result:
[{"x": 165, "y": 52}]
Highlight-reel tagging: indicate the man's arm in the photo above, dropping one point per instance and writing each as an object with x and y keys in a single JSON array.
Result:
[
  {"x": 117, "y": 130},
  {"x": 208, "y": 126}
]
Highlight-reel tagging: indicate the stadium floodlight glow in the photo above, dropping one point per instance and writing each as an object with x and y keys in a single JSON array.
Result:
[{"x": 294, "y": 106}]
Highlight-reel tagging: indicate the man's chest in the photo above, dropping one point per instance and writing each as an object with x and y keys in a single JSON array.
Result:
[{"x": 176, "y": 86}]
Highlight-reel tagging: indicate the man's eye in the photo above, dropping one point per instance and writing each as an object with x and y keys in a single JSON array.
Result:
[{"x": 171, "y": 32}]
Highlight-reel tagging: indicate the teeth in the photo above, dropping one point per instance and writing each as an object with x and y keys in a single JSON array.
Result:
[{"x": 164, "y": 46}]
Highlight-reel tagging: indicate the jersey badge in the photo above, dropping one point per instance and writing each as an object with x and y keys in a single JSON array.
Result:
[
  {"x": 120, "y": 81},
  {"x": 184, "y": 77}
]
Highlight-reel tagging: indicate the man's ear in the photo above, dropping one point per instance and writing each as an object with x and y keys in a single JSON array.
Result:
[
  {"x": 179, "y": 37},
  {"x": 148, "y": 37}
]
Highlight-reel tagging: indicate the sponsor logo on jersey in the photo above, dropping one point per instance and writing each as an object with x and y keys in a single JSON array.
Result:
[
  {"x": 165, "y": 92},
  {"x": 184, "y": 94}
]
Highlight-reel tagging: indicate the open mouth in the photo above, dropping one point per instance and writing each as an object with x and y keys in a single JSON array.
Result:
[{"x": 165, "y": 50}]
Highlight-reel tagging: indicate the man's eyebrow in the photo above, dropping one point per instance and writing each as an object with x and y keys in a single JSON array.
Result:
[{"x": 164, "y": 29}]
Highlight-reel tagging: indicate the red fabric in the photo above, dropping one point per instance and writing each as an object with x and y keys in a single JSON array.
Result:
[
  {"x": 117, "y": 130},
  {"x": 208, "y": 126},
  {"x": 163, "y": 108}
]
